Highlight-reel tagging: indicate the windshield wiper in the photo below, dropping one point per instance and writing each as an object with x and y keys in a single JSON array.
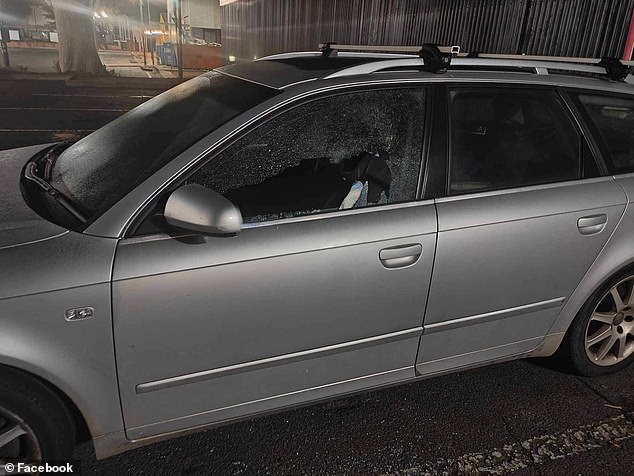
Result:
[
  {"x": 30, "y": 174},
  {"x": 48, "y": 160}
]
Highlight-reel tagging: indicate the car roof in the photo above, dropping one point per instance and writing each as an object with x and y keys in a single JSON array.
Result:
[
  {"x": 280, "y": 71},
  {"x": 284, "y": 70}
]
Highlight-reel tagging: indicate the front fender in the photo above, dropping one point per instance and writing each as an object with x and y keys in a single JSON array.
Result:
[{"x": 40, "y": 281}]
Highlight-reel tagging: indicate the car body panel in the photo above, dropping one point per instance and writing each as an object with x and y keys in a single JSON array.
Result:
[
  {"x": 283, "y": 385},
  {"x": 185, "y": 306},
  {"x": 40, "y": 282},
  {"x": 617, "y": 253},
  {"x": 493, "y": 282}
]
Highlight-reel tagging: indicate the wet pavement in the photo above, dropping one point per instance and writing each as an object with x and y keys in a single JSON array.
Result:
[{"x": 524, "y": 417}]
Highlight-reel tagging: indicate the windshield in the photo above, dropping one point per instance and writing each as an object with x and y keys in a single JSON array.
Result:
[{"x": 100, "y": 169}]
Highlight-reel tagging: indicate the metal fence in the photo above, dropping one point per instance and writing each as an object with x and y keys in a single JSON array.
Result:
[{"x": 254, "y": 28}]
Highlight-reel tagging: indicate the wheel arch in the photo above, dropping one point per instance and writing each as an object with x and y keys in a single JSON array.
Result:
[
  {"x": 83, "y": 432},
  {"x": 81, "y": 426},
  {"x": 86, "y": 383}
]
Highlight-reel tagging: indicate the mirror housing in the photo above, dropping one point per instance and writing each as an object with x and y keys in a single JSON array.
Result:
[{"x": 197, "y": 208}]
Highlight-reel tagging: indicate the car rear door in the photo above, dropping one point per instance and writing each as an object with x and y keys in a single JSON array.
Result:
[
  {"x": 303, "y": 303},
  {"x": 526, "y": 213}
]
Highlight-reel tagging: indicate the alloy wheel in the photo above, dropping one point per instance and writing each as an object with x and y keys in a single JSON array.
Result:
[
  {"x": 609, "y": 337},
  {"x": 18, "y": 442}
]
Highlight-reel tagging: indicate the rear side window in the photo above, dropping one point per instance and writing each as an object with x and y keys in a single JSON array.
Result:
[
  {"x": 614, "y": 121},
  {"x": 511, "y": 138}
]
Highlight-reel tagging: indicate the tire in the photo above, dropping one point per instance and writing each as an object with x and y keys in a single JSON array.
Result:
[
  {"x": 28, "y": 405},
  {"x": 601, "y": 320}
]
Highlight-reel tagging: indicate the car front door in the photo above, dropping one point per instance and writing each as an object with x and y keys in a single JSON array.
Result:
[
  {"x": 323, "y": 290},
  {"x": 525, "y": 216}
]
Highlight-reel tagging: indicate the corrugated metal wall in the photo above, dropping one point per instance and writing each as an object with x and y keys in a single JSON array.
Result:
[
  {"x": 254, "y": 28},
  {"x": 592, "y": 28}
]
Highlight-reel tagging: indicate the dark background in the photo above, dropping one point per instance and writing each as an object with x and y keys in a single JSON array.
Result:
[{"x": 588, "y": 28}]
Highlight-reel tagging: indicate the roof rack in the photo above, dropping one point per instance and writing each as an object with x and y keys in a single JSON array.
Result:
[
  {"x": 331, "y": 48},
  {"x": 435, "y": 59},
  {"x": 440, "y": 58}
]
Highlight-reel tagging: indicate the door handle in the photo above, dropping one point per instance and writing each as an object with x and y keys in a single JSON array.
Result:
[
  {"x": 593, "y": 224},
  {"x": 400, "y": 256}
]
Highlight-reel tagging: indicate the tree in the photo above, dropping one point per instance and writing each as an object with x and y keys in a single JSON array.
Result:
[{"x": 76, "y": 30}]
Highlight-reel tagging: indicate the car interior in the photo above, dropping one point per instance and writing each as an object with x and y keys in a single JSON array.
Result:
[
  {"x": 315, "y": 185},
  {"x": 500, "y": 142}
]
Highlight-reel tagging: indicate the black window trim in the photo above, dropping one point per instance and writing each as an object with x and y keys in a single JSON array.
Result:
[
  {"x": 575, "y": 123},
  {"x": 434, "y": 174}
]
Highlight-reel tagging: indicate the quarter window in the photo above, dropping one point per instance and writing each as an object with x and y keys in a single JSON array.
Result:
[
  {"x": 341, "y": 152},
  {"x": 511, "y": 138},
  {"x": 614, "y": 120}
]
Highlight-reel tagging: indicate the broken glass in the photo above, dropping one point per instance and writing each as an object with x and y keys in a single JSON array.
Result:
[{"x": 308, "y": 159}]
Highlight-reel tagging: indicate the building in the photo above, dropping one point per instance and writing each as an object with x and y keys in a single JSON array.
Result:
[
  {"x": 201, "y": 20},
  {"x": 31, "y": 24}
]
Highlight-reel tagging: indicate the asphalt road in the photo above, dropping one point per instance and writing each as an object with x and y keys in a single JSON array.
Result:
[
  {"x": 43, "y": 111},
  {"x": 524, "y": 418}
]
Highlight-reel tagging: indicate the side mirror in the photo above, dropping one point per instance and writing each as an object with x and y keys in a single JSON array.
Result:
[{"x": 196, "y": 208}]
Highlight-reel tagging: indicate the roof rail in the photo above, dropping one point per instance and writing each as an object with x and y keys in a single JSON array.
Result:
[
  {"x": 314, "y": 54},
  {"x": 537, "y": 67},
  {"x": 452, "y": 56}
]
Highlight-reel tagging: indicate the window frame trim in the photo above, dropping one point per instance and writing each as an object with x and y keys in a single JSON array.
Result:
[
  {"x": 434, "y": 175},
  {"x": 523, "y": 189}
]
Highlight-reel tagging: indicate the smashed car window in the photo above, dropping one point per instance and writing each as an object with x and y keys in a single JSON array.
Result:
[{"x": 346, "y": 151}]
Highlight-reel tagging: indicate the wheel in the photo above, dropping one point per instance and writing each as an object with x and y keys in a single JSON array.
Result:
[
  {"x": 35, "y": 424},
  {"x": 601, "y": 338}
]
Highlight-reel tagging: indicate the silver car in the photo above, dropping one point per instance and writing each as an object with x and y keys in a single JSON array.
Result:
[{"x": 306, "y": 226}]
